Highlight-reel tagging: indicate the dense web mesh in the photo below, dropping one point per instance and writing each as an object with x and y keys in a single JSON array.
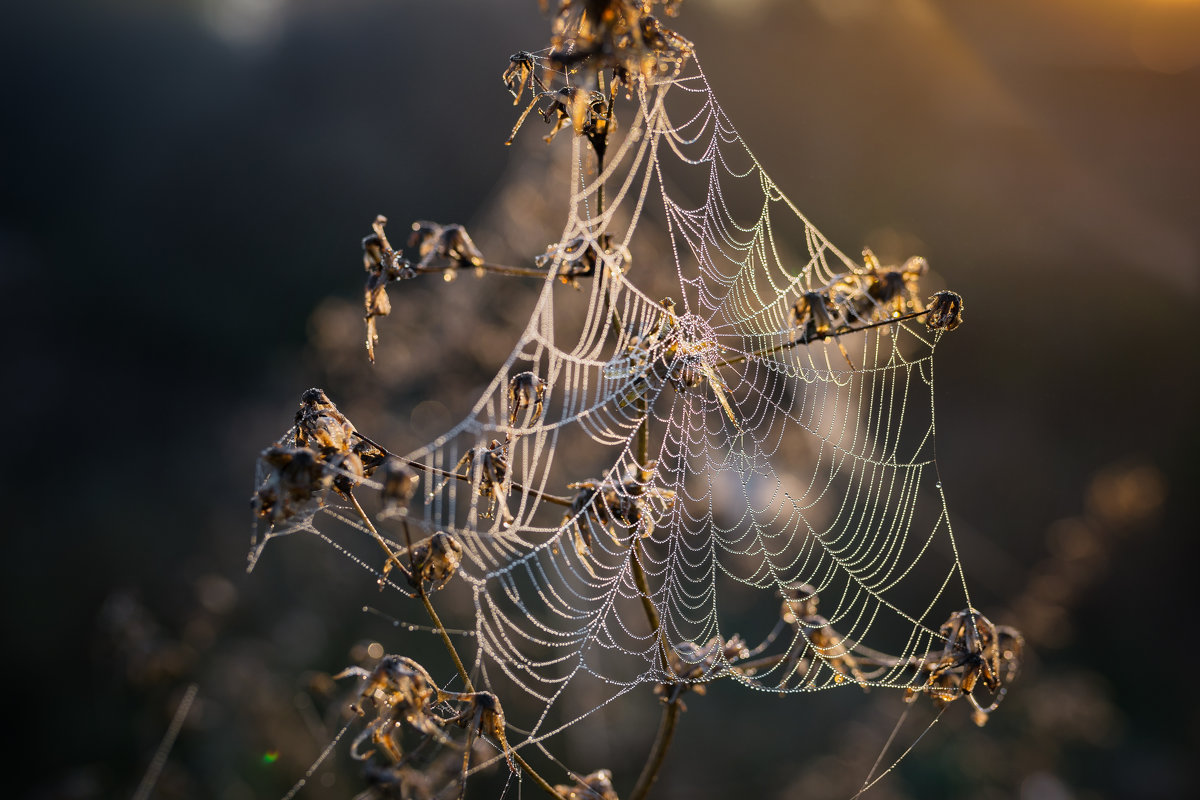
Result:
[{"x": 751, "y": 469}]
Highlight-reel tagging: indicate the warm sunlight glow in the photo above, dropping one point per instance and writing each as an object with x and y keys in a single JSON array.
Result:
[{"x": 1165, "y": 36}]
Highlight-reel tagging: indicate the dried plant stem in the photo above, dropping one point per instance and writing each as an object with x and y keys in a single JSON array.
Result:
[
  {"x": 441, "y": 629},
  {"x": 666, "y": 727},
  {"x": 608, "y": 115},
  {"x": 538, "y": 779},
  {"x": 462, "y": 670},
  {"x": 433, "y": 615},
  {"x": 392, "y": 557},
  {"x": 642, "y": 440},
  {"x": 662, "y": 743},
  {"x": 642, "y": 445},
  {"x": 639, "y": 580},
  {"x": 499, "y": 269},
  {"x": 819, "y": 337}
]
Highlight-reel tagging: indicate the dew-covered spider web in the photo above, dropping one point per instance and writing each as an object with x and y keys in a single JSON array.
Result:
[{"x": 768, "y": 495}]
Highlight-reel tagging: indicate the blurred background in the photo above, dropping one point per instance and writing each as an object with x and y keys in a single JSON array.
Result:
[{"x": 183, "y": 190}]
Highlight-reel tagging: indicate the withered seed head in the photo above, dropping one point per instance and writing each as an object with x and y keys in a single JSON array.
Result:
[
  {"x": 458, "y": 246},
  {"x": 434, "y": 561},
  {"x": 319, "y": 424},
  {"x": 524, "y": 390},
  {"x": 451, "y": 242},
  {"x": 297, "y": 476},
  {"x": 814, "y": 309},
  {"x": 383, "y": 265},
  {"x": 945, "y": 311}
]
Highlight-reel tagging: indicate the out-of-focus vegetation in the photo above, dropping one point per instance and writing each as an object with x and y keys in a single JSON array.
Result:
[{"x": 183, "y": 191}]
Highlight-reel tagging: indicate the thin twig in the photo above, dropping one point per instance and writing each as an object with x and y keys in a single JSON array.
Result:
[
  {"x": 639, "y": 580},
  {"x": 499, "y": 269},
  {"x": 639, "y": 574},
  {"x": 666, "y": 727},
  {"x": 458, "y": 664},
  {"x": 433, "y": 615},
  {"x": 437, "y": 623},
  {"x": 538, "y": 779},
  {"x": 818, "y": 337},
  {"x": 662, "y": 743},
  {"x": 608, "y": 114},
  {"x": 643, "y": 433},
  {"x": 391, "y": 557}
]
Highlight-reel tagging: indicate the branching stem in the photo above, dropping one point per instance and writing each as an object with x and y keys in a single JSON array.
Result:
[
  {"x": 462, "y": 670},
  {"x": 639, "y": 574},
  {"x": 818, "y": 337},
  {"x": 666, "y": 727},
  {"x": 662, "y": 743},
  {"x": 433, "y": 615},
  {"x": 608, "y": 115},
  {"x": 499, "y": 269}
]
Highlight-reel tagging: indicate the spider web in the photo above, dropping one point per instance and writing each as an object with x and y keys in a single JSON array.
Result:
[{"x": 772, "y": 462}]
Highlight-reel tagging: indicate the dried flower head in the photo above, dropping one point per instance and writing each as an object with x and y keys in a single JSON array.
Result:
[
  {"x": 526, "y": 390},
  {"x": 976, "y": 653},
  {"x": 400, "y": 692},
  {"x": 449, "y": 242},
  {"x": 690, "y": 664},
  {"x": 484, "y": 716},
  {"x": 297, "y": 477},
  {"x": 945, "y": 311},
  {"x": 522, "y": 72},
  {"x": 434, "y": 561},
  {"x": 320, "y": 425},
  {"x": 486, "y": 466},
  {"x": 383, "y": 265}
]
